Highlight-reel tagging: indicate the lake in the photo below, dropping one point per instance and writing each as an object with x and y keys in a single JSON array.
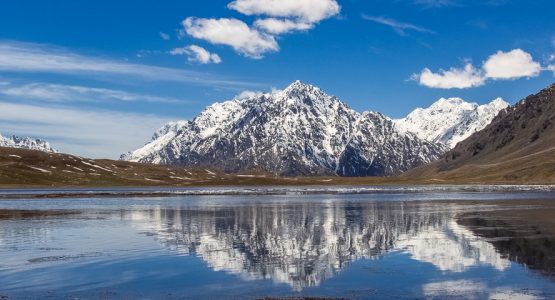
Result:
[{"x": 407, "y": 245}]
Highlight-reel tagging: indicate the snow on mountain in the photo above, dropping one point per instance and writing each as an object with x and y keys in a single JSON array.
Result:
[
  {"x": 26, "y": 143},
  {"x": 296, "y": 131},
  {"x": 449, "y": 121}
]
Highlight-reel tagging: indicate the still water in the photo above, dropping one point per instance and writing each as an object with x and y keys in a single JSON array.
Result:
[{"x": 237, "y": 247}]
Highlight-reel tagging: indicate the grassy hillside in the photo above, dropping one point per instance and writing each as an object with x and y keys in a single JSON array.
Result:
[
  {"x": 518, "y": 146},
  {"x": 28, "y": 168}
]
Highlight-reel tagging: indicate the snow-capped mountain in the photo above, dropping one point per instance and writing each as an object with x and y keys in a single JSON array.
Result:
[
  {"x": 450, "y": 121},
  {"x": 26, "y": 143},
  {"x": 296, "y": 131}
]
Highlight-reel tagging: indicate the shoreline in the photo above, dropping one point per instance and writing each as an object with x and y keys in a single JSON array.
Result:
[{"x": 126, "y": 192}]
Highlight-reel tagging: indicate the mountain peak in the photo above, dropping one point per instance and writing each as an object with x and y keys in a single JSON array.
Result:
[
  {"x": 26, "y": 143},
  {"x": 450, "y": 120},
  {"x": 516, "y": 146},
  {"x": 499, "y": 102},
  {"x": 298, "y": 85},
  {"x": 298, "y": 131}
]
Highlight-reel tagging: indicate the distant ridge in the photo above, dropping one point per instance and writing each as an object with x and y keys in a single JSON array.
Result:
[
  {"x": 518, "y": 146},
  {"x": 26, "y": 143},
  {"x": 449, "y": 121}
]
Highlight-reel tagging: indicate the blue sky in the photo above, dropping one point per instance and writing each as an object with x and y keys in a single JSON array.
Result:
[{"x": 96, "y": 78}]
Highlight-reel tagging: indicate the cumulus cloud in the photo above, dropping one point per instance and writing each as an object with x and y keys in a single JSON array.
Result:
[
  {"x": 280, "y": 26},
  {"x": 197, "y": 54},
  {"x": 307, "y": 11},
  {"x": 275, "y": 17},
  {"x": 231, "y": 32},
  {"x": 499, "y": 66},
  {"x": 66, "y": 93},
  {"x": 399, "y": 27},
  {"x": 511, "y": 65},
  {"x": 453, "y": 78}
]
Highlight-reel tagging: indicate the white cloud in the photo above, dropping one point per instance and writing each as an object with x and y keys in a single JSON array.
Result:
[
  {"x": 511, "y": 65},
  {"x": 499, "y": 66},
  {"x": 90, "y": 133},
  {"x": 165, "y": 36},
  {"x": 436, "y": 3},
  {"x": 231, "y": 32},
  {"x": 307, "y": 11},
  {"x": 25, "y": 57},
  {"x": 248, "y": 94},
  {"x": 280, "y": 16},
  {"x": 399, "y": 27},
  {"x": 453, "y": 78},
  {"x": 197, "y": 54},
  {"x": 65, "y": 93},
  {"x": 280, "y": 26}
]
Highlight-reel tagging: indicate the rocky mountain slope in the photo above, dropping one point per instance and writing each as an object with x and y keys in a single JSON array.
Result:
[
  {"x": 518, "y": 145},
  {"x": 26, "y": 143},
  {"x": 296, "y": 131},
  {"x": 450, "y": 121}
]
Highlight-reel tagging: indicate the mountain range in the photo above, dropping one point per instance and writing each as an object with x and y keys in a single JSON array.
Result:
[
  {"x": 449, "y": 121},
  {"x": 26, "y": 143},
  {"x": 517, "y": 146},
  {"x": 302, "y": 131}
]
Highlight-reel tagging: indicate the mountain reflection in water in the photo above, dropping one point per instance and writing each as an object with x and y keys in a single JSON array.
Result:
[{"x": 303, "y": 244}]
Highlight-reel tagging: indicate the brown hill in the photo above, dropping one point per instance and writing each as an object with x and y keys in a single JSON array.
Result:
[
  {"x": 517, "y": 147},
  {"x": 21, "y": 167},
  {"x": 29, "y": 168}
]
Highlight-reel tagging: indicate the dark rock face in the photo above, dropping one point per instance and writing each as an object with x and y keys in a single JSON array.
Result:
[
  {"x": 519, "y": 130},
  {"x": 294, "y": 132},
  {"x": 518, "y": 146}
]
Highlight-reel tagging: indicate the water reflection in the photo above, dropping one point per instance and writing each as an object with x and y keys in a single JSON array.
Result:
[
  {"x": 304, "y": 244},
  {"x": 524, "y": 243}
]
